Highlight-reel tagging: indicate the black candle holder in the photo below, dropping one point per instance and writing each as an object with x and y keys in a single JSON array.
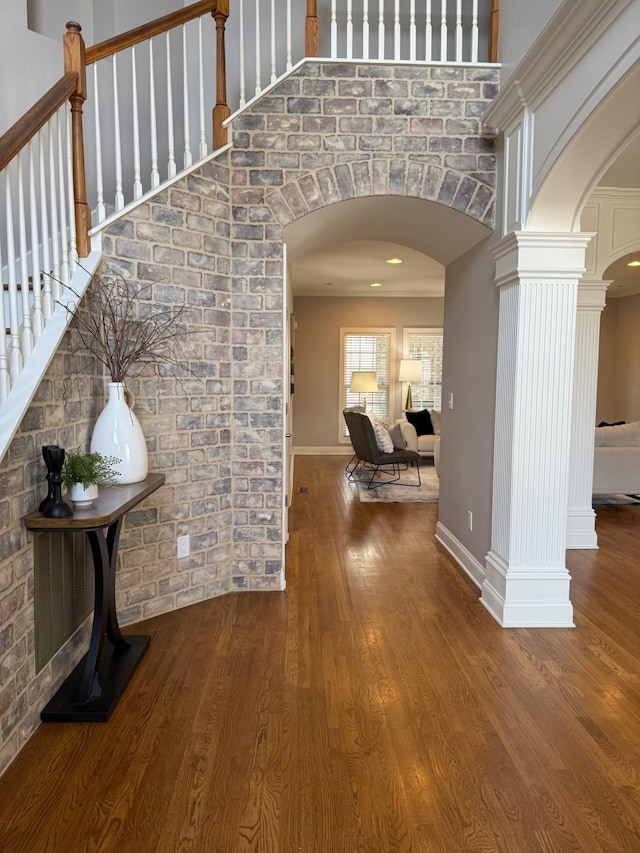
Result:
[{"x": 53, "y": 506}]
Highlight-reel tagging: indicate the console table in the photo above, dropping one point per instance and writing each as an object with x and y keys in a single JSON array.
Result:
[{"x": 95, "y": 685}]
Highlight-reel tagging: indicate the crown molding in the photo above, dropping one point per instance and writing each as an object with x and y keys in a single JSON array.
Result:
[{"x": 575, "y": 28}]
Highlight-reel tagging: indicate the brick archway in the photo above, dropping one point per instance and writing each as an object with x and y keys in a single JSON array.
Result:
[{"x": 382, "y": 177}]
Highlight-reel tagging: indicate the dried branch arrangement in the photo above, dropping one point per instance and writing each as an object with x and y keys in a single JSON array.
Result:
[{"x": 124, "y": 330}]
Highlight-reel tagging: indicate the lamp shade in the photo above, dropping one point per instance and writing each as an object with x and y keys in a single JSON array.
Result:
[
  {"x": 363, "y": 381},
  {"x": 410, "y": 370}
]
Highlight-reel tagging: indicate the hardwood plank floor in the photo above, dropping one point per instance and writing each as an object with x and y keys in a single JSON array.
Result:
[{"x": 375, "y": 706}]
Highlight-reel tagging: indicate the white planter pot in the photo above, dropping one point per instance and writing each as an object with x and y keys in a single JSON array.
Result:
[
  {"x": 81, "y": 496},
  {"x": 118, "y": 433}
]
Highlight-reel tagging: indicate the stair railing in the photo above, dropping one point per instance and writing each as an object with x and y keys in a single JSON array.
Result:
[
  {"x": 42, "y": 202},
  {"x": 157, "y": 81}
]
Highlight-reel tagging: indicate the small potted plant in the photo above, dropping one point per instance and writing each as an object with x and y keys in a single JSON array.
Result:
[{"x": 82, "y": 473}]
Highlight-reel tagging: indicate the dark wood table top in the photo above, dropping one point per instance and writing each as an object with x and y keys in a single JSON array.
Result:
[{"x": 110, "y": 504}]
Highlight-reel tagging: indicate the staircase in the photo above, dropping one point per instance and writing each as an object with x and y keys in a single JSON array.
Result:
[{"x": 146, "y": 109}]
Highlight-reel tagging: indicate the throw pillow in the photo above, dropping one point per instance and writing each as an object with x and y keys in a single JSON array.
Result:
[
  {"x": 434, "y": 414},
  {"x": 397, "y": 438},
  {"x": 383, "y": 439},
  {"x": 421, "y": 421}
]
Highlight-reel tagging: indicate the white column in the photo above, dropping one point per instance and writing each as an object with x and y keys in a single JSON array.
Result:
[
  {"x": 581, "y": 519},
  {"x": 527, "y": 582}
]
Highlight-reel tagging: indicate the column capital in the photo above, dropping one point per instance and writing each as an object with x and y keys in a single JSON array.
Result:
[
  {"x": 592, "y": 294},
  {"x": 536, "y": 255}
]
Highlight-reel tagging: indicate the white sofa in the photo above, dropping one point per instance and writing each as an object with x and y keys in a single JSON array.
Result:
[
  {"x": 616, "y": 460},
  {"x": 424, "y": 444}
]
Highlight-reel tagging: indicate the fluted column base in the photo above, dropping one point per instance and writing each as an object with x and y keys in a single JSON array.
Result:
[
  {"x": 529, "y": 597},
  {"x": 581, "y": 528}
]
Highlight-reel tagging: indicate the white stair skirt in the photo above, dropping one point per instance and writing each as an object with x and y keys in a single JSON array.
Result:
[
  {"x": 581, "y": 519},
  {"x": 527, "y": 582}
]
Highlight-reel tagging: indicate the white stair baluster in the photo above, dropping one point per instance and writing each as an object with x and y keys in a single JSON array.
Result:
[
  {"x": 96, "y": 117},
  {"x": 474, "y": 32},
  {"x": 187, "y": 161},
  {"x": 458, "y": 30},
  {"x": 44, "y": 231},
  {"x": 243, "y": 96},
  {"x": 70, "y": 197},
  {"x": 63, "y": 236},
  {"x": 47, "y": 301},
  {"x": 349, "y": 29},
  {"x": 119, "y": 197},
  {"x": 428, "y": 34},
  {"x": 155, "y": 174},
  {"x": 202, "y": 148},
  {"x": 443, "y": 30},
  {"x": 53, "y": 201},
  {"x": 36, "y": 276},
  {"x": 381, "y": 29},
  {"x": 365, "y": 29},
  {"x": 15, "y": 357},
  {"x": 26, "y": 338},
  {"x": 396, "y": 30},
  {"x": 334, "y": 30},
  {"x": 137, "y": 183},
  {"x": 258, "y": 60},
  {"x": 273, "y": 41},
  {"x": 412, "y": 31},
  {"x": 171, "y": 145},
  {"x": 289, "y": 62},
  {"x": 4, "y": 366}
]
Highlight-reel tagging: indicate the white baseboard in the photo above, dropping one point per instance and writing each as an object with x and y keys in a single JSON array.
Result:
[
  {"x": 323, "y": 451},
  {"x": 464, "y": 558}
]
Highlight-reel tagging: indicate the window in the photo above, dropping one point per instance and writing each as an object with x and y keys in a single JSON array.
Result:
[
  {"x": 366, "y": 349},
  {"x": 425, "y": 345}
]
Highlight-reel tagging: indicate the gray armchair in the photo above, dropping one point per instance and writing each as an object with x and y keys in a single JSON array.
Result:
[{"x": 368, "y": 460}]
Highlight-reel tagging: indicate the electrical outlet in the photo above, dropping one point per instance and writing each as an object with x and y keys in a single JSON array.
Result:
[
  {"x": 183, "y": 546},
  {"x": 469, "y": 519}
]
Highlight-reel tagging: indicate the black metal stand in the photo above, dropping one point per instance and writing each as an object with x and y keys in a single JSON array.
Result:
[{"x": 91, "y": 691}]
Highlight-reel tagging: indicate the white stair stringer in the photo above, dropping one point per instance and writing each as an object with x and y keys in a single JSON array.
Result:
[{"x": 13, "y": 409}]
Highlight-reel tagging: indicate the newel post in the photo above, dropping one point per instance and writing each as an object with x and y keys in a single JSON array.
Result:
[
  {"x": 74, "y": 62},
  {"x": 221, "y": 111},
  {"x": 311, "y": 30},
  {"x": 494, "y": 22}
]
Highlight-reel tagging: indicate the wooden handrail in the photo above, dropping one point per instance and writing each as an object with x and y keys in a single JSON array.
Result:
[
  {"x": 312, "y": 30},
  {"x": 494, "y": 23},
  {"x": 23, "y": 131},
  {"x": 147, "y": 31}
]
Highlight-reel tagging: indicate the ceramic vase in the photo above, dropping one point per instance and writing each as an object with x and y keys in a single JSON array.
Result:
[{"x": 118, "y": 433}]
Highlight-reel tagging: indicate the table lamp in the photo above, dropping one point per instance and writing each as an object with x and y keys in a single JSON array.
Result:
[{"x": 363, "y": 382}]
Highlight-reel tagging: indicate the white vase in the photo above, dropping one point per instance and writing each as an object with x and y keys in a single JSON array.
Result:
[
  {"x": 80, "y": 495},
  {"x": 118, "y": 433}
]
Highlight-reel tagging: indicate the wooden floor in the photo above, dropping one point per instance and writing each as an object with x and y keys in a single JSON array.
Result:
[{"x": 375, "y": 706}]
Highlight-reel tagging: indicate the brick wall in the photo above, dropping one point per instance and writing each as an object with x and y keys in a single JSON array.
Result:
[{"x": 214, "y": 241}]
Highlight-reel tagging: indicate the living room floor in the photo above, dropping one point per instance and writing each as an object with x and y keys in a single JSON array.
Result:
[{"x": 374, "y": 706}]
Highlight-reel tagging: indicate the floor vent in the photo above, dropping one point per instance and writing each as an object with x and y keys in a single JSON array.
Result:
[
  {"x": 304, "y": 490},
  {"x": 63, "y": 590}
]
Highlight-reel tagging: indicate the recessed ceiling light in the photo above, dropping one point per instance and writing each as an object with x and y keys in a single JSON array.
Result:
[
  {"x": 394, "y": 260},
  {"x": 633, "y": 264},
  {"x": 375, "y": 284}
]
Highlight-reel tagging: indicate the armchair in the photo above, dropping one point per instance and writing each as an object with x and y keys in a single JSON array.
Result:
[{"x": 370, "y": 459}]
